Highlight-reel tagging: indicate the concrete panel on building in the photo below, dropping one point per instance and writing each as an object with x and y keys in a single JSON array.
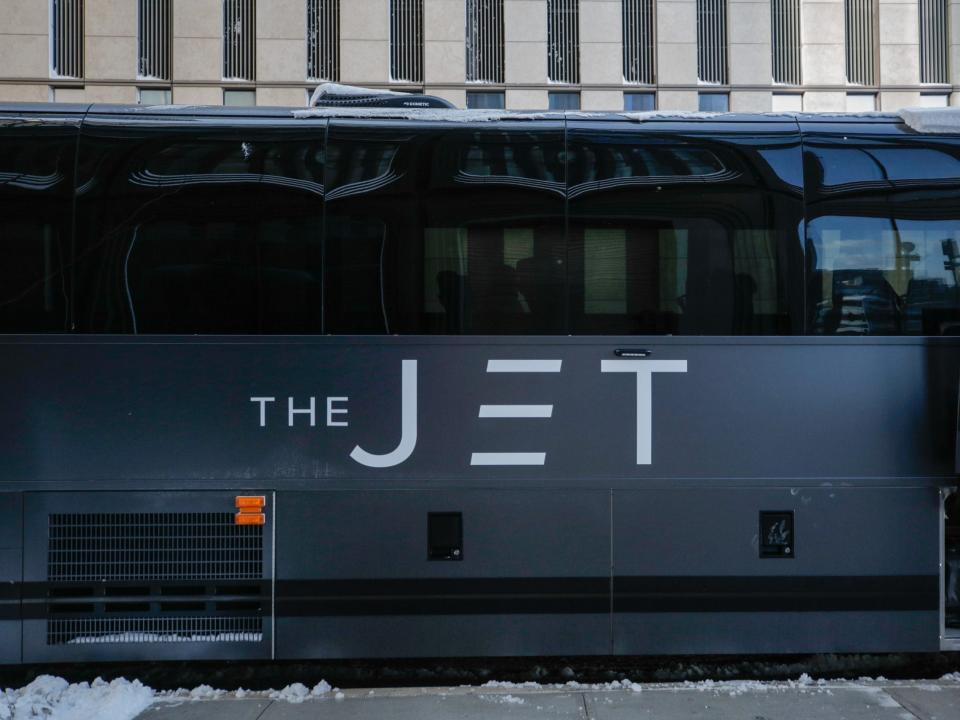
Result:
[
  {"x": 526, "y": 62},
  {"x": 677, "y": 63},
  {"x": 123, "y": 94},
  {"x": 750, "y": 64},
  {"x": 24, "y": 56},
  {"x": 526, "y": 99},
  {"x": 747, "y": 101},
  {"x": 823, "y": 64},
  {"x": 282, "y": 19},
  {"x": 24, "y": 93},
  {"x": 601, "y": 63},
  {"x": 822, "y": 23},
  {"x": 444, "y": 20},
  {"x": 899, "y": 24},
  {"x": 281, "y": 96},
  {"x": 197, "y": 95},
  {"x": 110, "y": 58},
  {"x": 676, "y": 22},
  {"x": 205, "y": 20},
  {"x": 611, "y": 100},
  {"x": 281, "y": 60},
  {"x": 748, "y": 22},
  {"x": 197, "y": 58},
  {"x": 444, "y": 62},
  {"x": 29, "y": 17},
  {"x": 110, "y": 18},
  {"x": 824, "y": 101},
  {"x": 898, "y": 100},
  {"x": 69, "y": 95},
  {"x": 601, "y": 21},
  {"x": 525, "y": 21},
  {"x": 363, "y": 20},
  {"x": 364, "y": 61},
  {"x": 455, "y": 95},
  {"x": 900, "y": 64},
  {"x": 677, "y": 100}
]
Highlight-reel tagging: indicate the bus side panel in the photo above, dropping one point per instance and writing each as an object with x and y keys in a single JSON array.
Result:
[
  {"x": 11, "y": 574},
  {"x": 861, "y": 573},
  {"x": 355, "y": 578}
]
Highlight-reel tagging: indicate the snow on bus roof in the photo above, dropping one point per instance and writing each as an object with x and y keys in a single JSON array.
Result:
[
  {"x": 932, "y": 120},
  {"x": 336, "y": 90}
]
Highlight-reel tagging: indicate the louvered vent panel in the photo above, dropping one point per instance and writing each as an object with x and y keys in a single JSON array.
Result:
[
  {"x": 712, "y": 41},
  {"x": 406, "y": 40},
  {"x": 563, "y": 41},
  {"x": 485, "y": 41},
  {"x": 861, "y": 37},
  {"x": 934, "y": 41},
  {"x": 66, "y": 38},
  {"x": 153, "y": 39},
  {"x": 323, "y": 39},
  {"x": 639, "y": 41},
  {"x": 239, "y": 39},
  {"x": 153, "y": 546},
  {"x": 785, "y": 41},
  {"x": 102, "y": 631}
]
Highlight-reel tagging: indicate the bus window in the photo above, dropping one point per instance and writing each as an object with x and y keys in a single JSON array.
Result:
[
  {"x": 451, "y": 230},
  {"x": 682, "y": 236},
  {"x": 36, "y": 182},
  {"x": 188, "y": 231},
  {"x": 883, "y": 237}
]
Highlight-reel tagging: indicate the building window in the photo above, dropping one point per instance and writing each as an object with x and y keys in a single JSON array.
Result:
[
  {"x": 485, "y": 41},
  {"x": 153, "y": 96},
  {"x": 787, "y": 102},
  {"x": 323, "y": 40},
  {"x": 486, "y": 100},
  {"x": 563, "y": 100},
  {"x": 935, "y": 100},
  {"x": 861, "y": 102},
  {"x": 153, "y": 39},
  {"x": 639, "y": 42},
  {"x": 861, "y": 32},
  {"x": 563, "y": 41},
  {"x": 239, "y": 39},
  {"x": 934, "y": 41},
  {"x": 240, "y": 98},
  {"x": 785, "y": 41},
  {"x": 639, "y": 101},
  {"x": 712, "y": 41},
  {"x": 66, "y": 38},
  {"x": 713, "y": 102},
  {"x": 406, "y": 41}
]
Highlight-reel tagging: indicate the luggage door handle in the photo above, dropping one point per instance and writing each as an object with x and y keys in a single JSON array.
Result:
[{"x": 632, "y": 352}]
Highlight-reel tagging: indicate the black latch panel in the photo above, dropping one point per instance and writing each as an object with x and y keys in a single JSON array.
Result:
[
  {"x": 445, "y": 536},
  {"x": 776, "y": 534}
]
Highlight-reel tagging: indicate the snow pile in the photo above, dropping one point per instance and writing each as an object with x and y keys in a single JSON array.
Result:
[
  {"x": 336, "y": 91},
  {"x": 298, "y": 692},
  {"x": 54, "y": 698},
  {"x": 932, "y": 120}
]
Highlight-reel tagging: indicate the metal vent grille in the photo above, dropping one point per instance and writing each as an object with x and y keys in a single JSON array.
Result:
[
  {"x": 100, "y": 631},
  {"x": 323, "y": 39},
  {"x": 639, "y": 41},
  {"x": 406, "y": 40},
  {"x": 934, "y": 41},
  {"x": 485, "y": 41},
  {"x": 153, "y": 39},
  {"x": 153, "y": 546},
  {"x": 563, "y": 41},
  {"x": 239, "y": 39},
  {"x": 785, "y": 41},
  {"x": 861, "y": 34},
  {"x": 712, "y": 41},
  {"x": 66, "y": 39}
]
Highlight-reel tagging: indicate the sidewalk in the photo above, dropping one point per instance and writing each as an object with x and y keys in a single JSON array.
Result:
[{"x": 736, "y": 700}]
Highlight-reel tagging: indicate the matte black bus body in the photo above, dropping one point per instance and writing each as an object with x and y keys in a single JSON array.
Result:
[{"x": 610, "y": 484}]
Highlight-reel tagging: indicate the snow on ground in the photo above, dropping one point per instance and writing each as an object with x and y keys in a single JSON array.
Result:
[{"x": 53, "y": 698}]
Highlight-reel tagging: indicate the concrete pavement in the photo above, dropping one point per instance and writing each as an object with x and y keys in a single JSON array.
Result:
[{"x": 735, "y": 700}]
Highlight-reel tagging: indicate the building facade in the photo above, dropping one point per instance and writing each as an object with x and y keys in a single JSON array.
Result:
[{"x": 740, "y": 55}]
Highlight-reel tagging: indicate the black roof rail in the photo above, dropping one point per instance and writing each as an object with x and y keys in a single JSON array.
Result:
[{"x": 335, "y": 95}]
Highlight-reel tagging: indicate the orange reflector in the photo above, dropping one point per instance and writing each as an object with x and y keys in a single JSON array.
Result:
[
  {"x": 249, "y": 518},
  {"x": 250, "y": 503}
]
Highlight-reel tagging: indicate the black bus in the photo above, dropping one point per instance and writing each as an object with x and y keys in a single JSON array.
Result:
[{"x": 341, "y": 383}]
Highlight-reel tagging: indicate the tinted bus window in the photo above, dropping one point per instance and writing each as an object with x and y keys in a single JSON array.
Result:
[
  {"x": 200, "y": 228},
  {"x": 445, "y": 229},
  {"x": 36, "y": 184},
  {"x": 681, "y": 233},
  {"x": 883, "y": 235}
]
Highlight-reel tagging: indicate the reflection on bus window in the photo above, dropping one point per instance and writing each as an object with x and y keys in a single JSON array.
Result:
[{"x": 885, "y": 276}]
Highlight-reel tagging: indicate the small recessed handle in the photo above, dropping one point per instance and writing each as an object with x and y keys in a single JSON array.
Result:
[{"x": 631, "y": 352}]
